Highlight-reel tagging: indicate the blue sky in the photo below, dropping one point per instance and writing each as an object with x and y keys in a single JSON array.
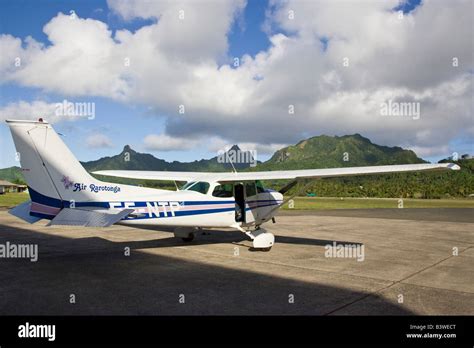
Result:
[
  {"x": 131, "y": 120},
  {"x": 121, "y": 121}
]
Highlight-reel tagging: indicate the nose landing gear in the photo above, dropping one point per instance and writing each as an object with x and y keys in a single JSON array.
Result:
[{"x": 262, "y": 240}]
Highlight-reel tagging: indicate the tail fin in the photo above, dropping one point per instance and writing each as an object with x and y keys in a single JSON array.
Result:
[{"x": 49, "y": 167}]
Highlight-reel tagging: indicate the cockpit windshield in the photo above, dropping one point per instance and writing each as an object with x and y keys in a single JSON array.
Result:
[{"x": 198, "y": 186}]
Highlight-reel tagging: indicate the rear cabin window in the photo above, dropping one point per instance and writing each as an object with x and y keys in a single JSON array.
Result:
[{"x": 223, "y": 191}]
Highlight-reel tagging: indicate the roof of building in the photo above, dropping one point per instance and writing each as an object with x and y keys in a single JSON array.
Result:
[{"x": 6, "y": 183}]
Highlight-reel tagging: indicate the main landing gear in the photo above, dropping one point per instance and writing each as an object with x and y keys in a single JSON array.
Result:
[
  {"x": 187, "y": 234},
  {"x": 261, "y": 239}
]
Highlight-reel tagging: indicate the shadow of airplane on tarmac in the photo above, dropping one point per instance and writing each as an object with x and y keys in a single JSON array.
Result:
[{"x": 105, "y": 282}]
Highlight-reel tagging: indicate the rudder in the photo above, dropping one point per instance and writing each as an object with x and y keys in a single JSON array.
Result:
[{"x": 49, "y": 167}]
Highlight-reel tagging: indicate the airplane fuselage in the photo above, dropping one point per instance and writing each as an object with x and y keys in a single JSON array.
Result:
[
  {"x": 150, "y": 206},
  {"x": 202, "y": 212}
]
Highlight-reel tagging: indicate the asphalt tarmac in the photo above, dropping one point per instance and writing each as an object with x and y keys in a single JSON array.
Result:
[{"x": 397, "y": 262}]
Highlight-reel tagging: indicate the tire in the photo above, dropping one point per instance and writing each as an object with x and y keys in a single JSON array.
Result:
[{"x": 188, "y": 239}]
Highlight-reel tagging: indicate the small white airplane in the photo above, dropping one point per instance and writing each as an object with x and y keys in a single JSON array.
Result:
[{"x": 62, "y": 191}]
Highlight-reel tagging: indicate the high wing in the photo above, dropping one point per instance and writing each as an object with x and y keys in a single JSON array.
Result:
[
  {"x": 277, "y": 174},
  {"x": 157, "y": 175}
]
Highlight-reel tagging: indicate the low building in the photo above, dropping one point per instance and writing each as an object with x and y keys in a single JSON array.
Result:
[{"x": 7, "y": 186}]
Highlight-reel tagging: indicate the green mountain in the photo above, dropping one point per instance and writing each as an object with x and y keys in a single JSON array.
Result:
[
  {"x": 316, "y": 152},
  {"x": 12, "y": 174},
  {"x": 443, "y": 184},
  {"x": 330, "y": 152},
  {"x": 129, "y": 159}
]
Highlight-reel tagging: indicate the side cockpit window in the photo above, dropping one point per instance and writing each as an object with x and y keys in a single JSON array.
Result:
[
  {"x": 223, "y": 191},
  {"x": 260, "y": 188},
  {"x": 250, "y": 189}
]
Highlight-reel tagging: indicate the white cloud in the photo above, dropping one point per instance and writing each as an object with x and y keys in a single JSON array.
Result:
[
  {"x": 23, "y": 110},
  {"x": 423, "y": 151},
  {"x": 163, "y": 142},
  {"x": 63, "y": 110},
  {"x": 262, "y": 149},
  {"x": 177, "y": 62},
  {"x": 83, "y": 59},
  {"x": 98, "y": 140},
  {"x": 185, "y": 30}
]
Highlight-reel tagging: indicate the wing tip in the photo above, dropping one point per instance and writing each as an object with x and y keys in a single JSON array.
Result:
[{"x": 453, "y": 166}]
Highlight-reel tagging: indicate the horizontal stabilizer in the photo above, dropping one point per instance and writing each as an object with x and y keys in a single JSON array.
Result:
[
  {"x": 89, "y": 218},
  {"x": 22, "y": 211}
]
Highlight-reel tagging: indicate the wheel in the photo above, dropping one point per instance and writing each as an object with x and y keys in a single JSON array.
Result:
[
  {"x": 260, "y": 249},
  {"x": 189, "y": 238}
]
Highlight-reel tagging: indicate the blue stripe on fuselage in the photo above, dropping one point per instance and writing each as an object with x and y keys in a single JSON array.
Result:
[
  {"x": 57, "y": 203},
  {"x": 179, "y": 214},
  {"x": 45, "y": 200}
]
